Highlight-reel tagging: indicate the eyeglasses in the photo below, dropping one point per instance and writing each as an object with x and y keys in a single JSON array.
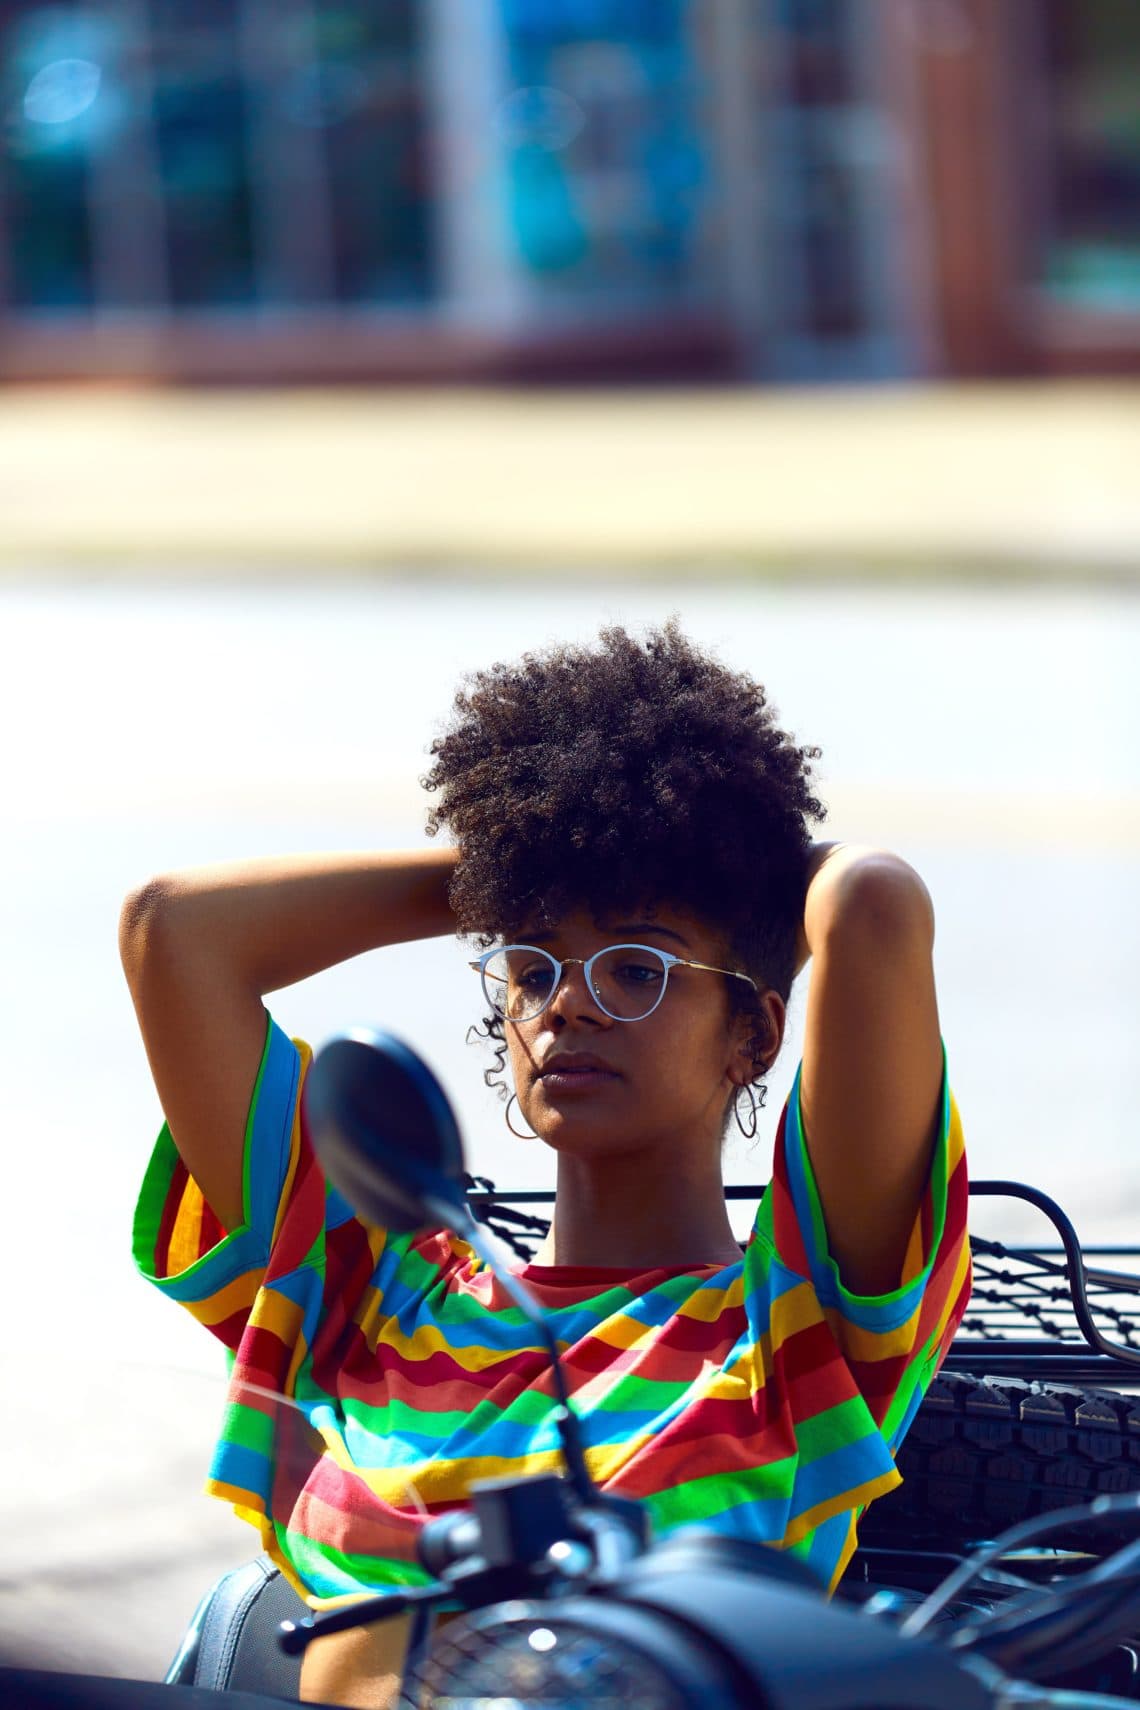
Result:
[{"x": 626, "y": 981}]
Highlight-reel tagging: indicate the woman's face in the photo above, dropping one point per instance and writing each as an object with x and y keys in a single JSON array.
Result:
[{"x": 591, "y": 1085}]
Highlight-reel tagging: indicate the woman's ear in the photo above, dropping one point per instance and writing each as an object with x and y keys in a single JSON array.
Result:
[{"x": 759, "y": 1035}]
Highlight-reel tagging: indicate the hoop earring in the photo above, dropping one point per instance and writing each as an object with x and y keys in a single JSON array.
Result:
[
  {"x": 507, "y": 1119},
  {"x": 757, "y": 1099}
]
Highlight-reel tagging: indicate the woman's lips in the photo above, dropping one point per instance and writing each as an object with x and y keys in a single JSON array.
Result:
[{"x": 568, "y": 1078}]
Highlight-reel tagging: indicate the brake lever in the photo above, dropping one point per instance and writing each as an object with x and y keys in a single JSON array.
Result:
[{"x": 295, "y": 1637}]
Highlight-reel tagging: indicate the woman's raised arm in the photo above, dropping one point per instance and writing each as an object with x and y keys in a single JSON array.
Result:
[
  {"x": 872, "y": 1059},
  {"x": 201, "y": 949}
]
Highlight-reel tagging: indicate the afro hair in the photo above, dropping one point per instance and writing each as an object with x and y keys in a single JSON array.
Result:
[{"x": 632, "y": 774}]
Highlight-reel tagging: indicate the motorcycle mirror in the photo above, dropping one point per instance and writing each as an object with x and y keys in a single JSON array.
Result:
[{"x": 384, "y": 1132}]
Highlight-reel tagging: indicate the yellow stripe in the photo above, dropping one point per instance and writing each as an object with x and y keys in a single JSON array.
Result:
[
  {"x": 371, "y": 1311},
  {"x": 857, "y": 1497},
  {"x": 859, "y": 1343},
  {"x": 961, "y": 1269},
  {"x": 450, "y": 1481},
  {"x": 731, "y": 1384},
  {"x": 621, "y": 1332},
  {"x": 277, "y": 1314},
  {"x": 429, "y": 1340},
  {"x": 243, "y": 1501},
  {"x": 296, "y": 1361},
  {"x": 185, "y": 1237},
  {"x": 955, "y": 1138},
  {"x": 237, "y": 1296},
  {"x": 794, "y": 1310},
  {"x": 707, "y": 1304},
  {"x": 915, "y": 1261}
]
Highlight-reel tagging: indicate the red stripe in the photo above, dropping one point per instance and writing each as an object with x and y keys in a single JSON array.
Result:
[
  {"x": 806, "y": 1352},
  {"x": 231, "y": 1330},
  {"x": 178, "y": 1179},
  {"x": 210, "y": 1230},
  {"x": 878, "y": 1382},
  {"x": 744, "y": 1419},
  {"x": 264, "y": 1358},
  {"x": 303, "y": 1221},
  {"x": 668, "y": 1461},
  {"x": 683, "y": 1337},
  {"x": 526, "y": 1370}
]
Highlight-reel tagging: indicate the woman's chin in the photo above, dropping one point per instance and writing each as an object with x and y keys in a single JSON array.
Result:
[{"x": 576, "y": 1131}]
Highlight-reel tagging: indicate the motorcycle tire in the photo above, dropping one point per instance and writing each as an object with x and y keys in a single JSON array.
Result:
[{"x": 983, "y": 1453}]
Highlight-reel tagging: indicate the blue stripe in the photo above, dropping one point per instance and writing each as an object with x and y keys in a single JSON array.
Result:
[
  {"x": 222, "y": 1265},
  {"x": 504, "y": 1438},
  {"x": 295, "y": 1286},
  {"x": 337, "y": 1209},
  {"x": 244, "y": 1468},
  {"x": 272, "y": 1131},
  {"x": 762, "y": 1519},
  {"x": 844, "y": 1469},
  {"x": 827, "y": 1543}
]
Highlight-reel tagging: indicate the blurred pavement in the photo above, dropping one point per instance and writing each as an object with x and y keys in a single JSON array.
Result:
[{"x": 962, "y": 480}]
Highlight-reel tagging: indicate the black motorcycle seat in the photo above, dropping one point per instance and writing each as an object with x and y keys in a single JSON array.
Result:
[{"x": 231, "y": 1645}]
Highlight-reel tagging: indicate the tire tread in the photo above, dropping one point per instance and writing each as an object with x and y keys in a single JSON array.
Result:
[{"x": 984, "y": 1453}]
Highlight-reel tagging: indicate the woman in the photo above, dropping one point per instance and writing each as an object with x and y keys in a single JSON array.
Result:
[{"x": 631, "y": 850}]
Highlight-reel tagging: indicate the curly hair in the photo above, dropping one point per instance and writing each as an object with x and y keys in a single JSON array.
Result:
[{"x": 625, "y": 776}]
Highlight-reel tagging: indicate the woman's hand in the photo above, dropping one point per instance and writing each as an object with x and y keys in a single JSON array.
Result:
[
  {"x": 200, "y": 950},
  {"x": 872, "y": 1059}
]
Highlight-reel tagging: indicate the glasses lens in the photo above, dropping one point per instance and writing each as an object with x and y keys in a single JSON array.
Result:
[
  {"x": 518, "y": 981},
  {"x": 629, "y": 980}
]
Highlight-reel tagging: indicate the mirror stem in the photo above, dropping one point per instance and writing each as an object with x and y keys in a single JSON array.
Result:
[{"x": 566, "y": 1420}]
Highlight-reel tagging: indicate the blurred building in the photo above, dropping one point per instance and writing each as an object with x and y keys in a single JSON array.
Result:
[{"x": 290, "y": 189}]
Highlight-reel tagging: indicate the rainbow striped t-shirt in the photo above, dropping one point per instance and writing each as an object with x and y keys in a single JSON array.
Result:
[{"x": 760, "y": 1399}]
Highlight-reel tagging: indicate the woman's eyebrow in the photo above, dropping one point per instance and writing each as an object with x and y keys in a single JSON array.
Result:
[{"x": 652, "y": 926}]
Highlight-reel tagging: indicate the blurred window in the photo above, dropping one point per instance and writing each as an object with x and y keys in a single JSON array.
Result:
[
  {"x": 606, "y": 145},
  {"x": 53, "y": 103},
  {"x": 818, "y": 168},
  {"x": 817, "y": 44},
  {"x": 201, "y": 129},
  {"x": 1091, "y": 243},
  {"x": 363, "y": 91}
]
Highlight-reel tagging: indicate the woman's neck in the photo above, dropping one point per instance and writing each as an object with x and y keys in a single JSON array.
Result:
[{"x": 636, "y": 1210}]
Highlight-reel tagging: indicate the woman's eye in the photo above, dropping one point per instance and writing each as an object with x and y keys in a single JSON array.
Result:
[
  {"x": 639, "y": 973},
  {"x": 533, "y": 979}
]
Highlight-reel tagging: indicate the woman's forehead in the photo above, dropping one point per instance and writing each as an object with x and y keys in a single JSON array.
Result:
[{"x": 675, "y": 929}]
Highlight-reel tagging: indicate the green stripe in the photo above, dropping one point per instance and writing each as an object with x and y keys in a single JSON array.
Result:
[
  {"x": 847, "y": 1422},
  {"x": 919, "y": 1372},
  {"x": 636, "y": 1394},
  {"x": 249, "y": 1428},
  {"x": 703, "y": 1498},
  {"x": 152, "y": 1202},
  {"x": 319, "y": 1562},
  {"x": 531, "y": 1407}
]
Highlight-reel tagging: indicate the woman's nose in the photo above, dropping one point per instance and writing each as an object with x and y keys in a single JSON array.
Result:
[{"x": 573, "y": 997}]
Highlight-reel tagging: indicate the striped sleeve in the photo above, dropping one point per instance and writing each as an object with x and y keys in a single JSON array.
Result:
[
  {"x": 180, "y": 1246},
  {"x": 892, "y": 1344},
  {"x": 299, "y": 1257}
]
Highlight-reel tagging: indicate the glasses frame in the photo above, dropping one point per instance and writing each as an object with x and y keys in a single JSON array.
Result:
[{"x": 668, "y": 960}]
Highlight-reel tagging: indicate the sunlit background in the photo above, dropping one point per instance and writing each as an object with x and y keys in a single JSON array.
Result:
[{"x": 347, "y": 348}]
